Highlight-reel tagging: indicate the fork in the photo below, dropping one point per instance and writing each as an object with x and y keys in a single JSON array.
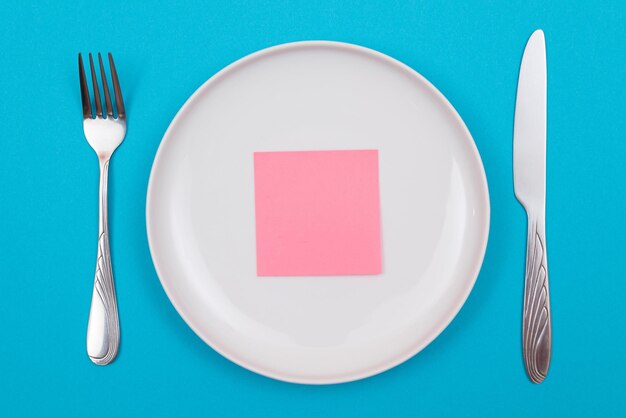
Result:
[{"x": 105, "y": 133}]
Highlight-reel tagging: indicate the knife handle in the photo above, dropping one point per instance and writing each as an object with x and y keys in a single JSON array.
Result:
[{"x": 537, "y": 322}]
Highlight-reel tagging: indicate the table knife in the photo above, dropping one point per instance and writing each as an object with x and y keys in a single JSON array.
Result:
[{"x": 529, "y": 167}]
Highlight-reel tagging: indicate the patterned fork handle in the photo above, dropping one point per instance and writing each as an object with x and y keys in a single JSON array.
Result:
[
  {"x": 537, "y": 323},
  {"x": 103, "y": 330}
]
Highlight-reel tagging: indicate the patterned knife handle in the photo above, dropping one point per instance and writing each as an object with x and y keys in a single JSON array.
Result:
[
  {"x": 537, "y": 323},
  {"x": 103, "y": 330}
]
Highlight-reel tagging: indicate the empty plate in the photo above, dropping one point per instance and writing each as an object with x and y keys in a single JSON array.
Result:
[{"x": 434, "y": 212}]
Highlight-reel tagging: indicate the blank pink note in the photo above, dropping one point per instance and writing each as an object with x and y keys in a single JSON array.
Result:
[{"x": 317, "y": 213}]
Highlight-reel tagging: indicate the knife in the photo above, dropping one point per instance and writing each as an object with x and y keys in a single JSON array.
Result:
[{"x": 529, "y": 169}]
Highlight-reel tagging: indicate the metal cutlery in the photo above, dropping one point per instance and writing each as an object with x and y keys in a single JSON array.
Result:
[
  {"x": 529, "y": 161},
  {"x": 105, "y": 133}
]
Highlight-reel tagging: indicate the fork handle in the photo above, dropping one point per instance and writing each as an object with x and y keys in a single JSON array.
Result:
[
  {"x": 537, "y": 323},
  {"x": 103, "y": 329}
]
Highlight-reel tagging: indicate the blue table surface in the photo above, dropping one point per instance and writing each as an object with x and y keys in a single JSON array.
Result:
[{"x": 164, "y": 50}]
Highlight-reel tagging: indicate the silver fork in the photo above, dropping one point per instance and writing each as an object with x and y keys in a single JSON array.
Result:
[{"x": 105, "y": 133}]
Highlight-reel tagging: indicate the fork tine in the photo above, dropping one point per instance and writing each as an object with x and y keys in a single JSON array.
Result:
[
  {"x": 84, "y": 90},
  {"x": 96, "y": 92},
  {"x": 105, "y": 86},
  {"x": 121, "y": 112}
]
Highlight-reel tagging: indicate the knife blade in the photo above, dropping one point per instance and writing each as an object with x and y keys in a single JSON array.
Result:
[{"x": 529, "y": 169}]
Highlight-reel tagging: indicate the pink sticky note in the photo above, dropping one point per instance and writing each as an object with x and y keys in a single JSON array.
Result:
[{"x": 317, "y": 213}]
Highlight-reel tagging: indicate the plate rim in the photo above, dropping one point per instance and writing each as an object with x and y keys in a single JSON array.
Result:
[{"x": 453, "y": 311}]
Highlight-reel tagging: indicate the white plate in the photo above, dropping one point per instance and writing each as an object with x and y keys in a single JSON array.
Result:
[{"x": 317, "y": 96}]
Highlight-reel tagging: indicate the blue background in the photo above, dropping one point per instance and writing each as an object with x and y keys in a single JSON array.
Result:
[{"x": 164, "y": 50}]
